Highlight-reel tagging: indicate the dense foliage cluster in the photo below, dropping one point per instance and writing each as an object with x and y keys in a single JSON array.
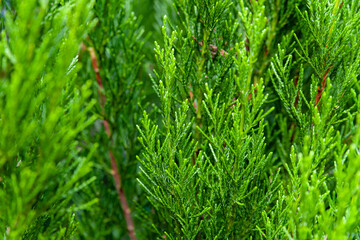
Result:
[{"x": 180, "y": 119}]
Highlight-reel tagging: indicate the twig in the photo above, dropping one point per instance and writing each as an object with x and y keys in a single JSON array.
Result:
[
  {"x": 337, "y": 6},
  {"x": 323, "y": 85},
  {"x": 114, "y": 167}
]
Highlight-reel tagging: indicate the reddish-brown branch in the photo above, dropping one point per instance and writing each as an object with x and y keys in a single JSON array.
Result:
[
  {"x": 297, "y": 94},
  {"x": 323, "y": 85},
  {"x": 98, "y": 78},
  {"x": 114, "y": 167},
  {"x": 255, "y": 90},
  {"x": 192, "y": 99}
]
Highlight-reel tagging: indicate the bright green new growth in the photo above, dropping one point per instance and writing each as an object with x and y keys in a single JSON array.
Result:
[
  {"x": 42, "y": 111},
  {"x": 249, "y": 131}
]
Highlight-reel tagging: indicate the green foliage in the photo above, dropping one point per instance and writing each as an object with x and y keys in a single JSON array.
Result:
[
  {"x": 42, "y": 111},
  {"x": 118, "y": 41},
  {"x": 209, "y": 165},
  {"x": 179, "y": 119}
]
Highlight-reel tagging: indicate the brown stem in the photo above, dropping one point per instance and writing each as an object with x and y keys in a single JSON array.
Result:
[
  {"x": 98, "y": 79},
  {"x": 114, "y": 167},
  {"x": 338, "y": 5},
  {"x": 323, "y": 85},
  {"x": 192, "y": 98},
  {"x": 255, "y": 90},
  {"x": 297, "y": 94}
]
